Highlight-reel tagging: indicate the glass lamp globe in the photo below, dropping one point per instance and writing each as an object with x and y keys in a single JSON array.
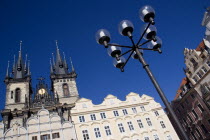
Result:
[
  {"x": 155, "y": 44},
  {"x": 146, "y": 13},
  {"x": 113, "y": 51},
  {"x": 135, "y": 56},
  {"x": 102, "y": 36},
  {"x": 125, "y": 28},
  {"x": 119, "y": 63},
  {"x": 150, "y": 32}
]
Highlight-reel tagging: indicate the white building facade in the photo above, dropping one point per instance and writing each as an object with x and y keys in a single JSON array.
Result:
[{"x": 137, "y": 118}]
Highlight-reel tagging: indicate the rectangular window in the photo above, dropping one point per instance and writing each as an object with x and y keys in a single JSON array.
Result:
[
  {"x": 93, "y": 117},
  {"x": 130, "y": 125},
  {"x": 198, "y": 132},
  {"x": 97, "y": 132},
  {"x": 156, "y": 113},
  {"x": 85, "y": 135},
  {"x": 115, "y": 113},
  {"x": 189, "y": 118},
  {"x": 182, "y": 106},
  {"x": 204, "y": 128},
  {"x": 81, "y": 118},
  {"x": 193, "y": 96},
  {"x": 55, "y": 135},
  {"x": 193, "y": 135},
  {"x": 103, "y": 115},
  {"x": 204, "y": 69},
  {"x": 208, "y": 63},
  {"x": 168, "y": 137},
  {"x": 11, "y": 94},
  {"x": 195, "y": 114},
  {"x": 108, "y": 131},
  {"x": 199, "y": 75},
  {"x": 121, "y": 128},
  {"x": 140, "y": 124},
  {"x": 146, "y": 138},
  {"x": 142, "y": 108},
  {"x": 125, "y": 112},
  {"x": 200, "y": 108},
  {"x": 156, "y": 137},
  {"x": 184, "y": 120},
  {"x": 45, "y": 137},
  {"x": 149, "y": 122},
  {"x": 195, "y": 79},
  {"x": 34, "y": 137},
  {"x": 134, "y": 110},
  {"x": 162, "y": 124}
]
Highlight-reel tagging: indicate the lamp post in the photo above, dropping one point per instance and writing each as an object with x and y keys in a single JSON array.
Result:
[{"x": 153, "y": 42}]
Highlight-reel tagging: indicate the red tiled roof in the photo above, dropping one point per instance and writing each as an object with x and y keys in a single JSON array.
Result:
[
  {"x": 184, "y": 81},
  {"x": 200, "y": 46}
]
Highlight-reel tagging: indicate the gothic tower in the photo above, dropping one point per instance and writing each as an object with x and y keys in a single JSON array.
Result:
[
  {"x": 62, "y": 81},
  {"x": 18, "y": 90}
]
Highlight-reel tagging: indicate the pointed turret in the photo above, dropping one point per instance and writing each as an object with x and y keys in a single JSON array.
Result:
[
  {"x": 19, "y": 70},
  {"x": 59, "y": 66},
  {"x": 7, "y": 74},
  {"x": 64, "y": 61}
]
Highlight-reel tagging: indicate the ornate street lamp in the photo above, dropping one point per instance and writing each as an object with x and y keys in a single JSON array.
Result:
[{"x": 154, "y": 43}]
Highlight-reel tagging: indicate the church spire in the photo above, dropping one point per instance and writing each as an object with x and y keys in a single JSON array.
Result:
[
  {"x": 19, "y": 62},
  {"x": 51, "y": 67},
  {"x": 20, "y": 68},
  {"x": 58, "y": 56},
  {"x": 59, "y": 66},
  {"x": 64, "y": 61},
  {"x": 13, "y": 69},
  {"x": 28, "y": 72},
  {"x": 25, "y": 65}
]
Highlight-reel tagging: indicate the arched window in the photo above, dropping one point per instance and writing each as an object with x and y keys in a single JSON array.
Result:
[
  {"x": 65, "y": 90},
  {"x": 17, "y": 95}
]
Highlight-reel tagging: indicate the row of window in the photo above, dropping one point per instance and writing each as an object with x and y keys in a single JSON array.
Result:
[
  {"x": 121, "y": 129},
  {"x": 64, "y": 80},
  {"x": 17, "y": 95},
  {"x": 197, "y": 134},
  {"x": 201, "y": 72},
  {"x": 115, "y": 112},
  {"x": 47, "y": 136}
]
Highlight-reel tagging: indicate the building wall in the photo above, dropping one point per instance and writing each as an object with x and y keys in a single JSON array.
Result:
[
  {"x": 58, "y": 88},
  {"x": 41, "y": 124},
  {"x": 85, "y": 108},
  {"x": 193, "y": 114},
  {"x": 192, "y": 101},
  {"x": 10, "y": 102}
]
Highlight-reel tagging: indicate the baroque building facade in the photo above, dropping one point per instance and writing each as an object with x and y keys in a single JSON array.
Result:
[
  {"x": 136, "y": 118},
  {"x": 192, "y": 101}
]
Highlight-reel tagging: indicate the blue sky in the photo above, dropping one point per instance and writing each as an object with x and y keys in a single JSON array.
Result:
[{"x": 74, "y": 23}]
